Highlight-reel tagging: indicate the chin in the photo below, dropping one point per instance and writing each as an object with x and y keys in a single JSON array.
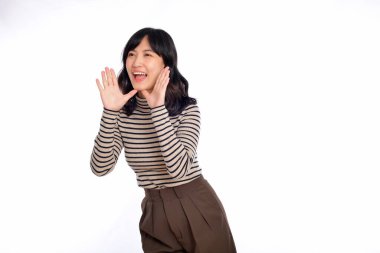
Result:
[{"x": 140, "y": 86}]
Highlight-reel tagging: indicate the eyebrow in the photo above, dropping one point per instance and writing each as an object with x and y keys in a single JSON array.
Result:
[{"x": 146, "y": 50}]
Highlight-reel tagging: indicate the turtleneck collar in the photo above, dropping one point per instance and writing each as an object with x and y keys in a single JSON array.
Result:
[{"x": 142, "y": 104}]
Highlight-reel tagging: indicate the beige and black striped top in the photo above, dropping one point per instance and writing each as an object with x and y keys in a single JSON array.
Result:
[{"x": 161, "y": 149}]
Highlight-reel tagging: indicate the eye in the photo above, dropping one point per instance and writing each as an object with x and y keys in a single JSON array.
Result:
[
  {"x": 130, "y": 54},
  {"x": 148, "y": 54}
]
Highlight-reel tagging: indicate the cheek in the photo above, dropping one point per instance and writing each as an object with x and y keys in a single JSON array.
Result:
[
  {"x": 154, "y": 76},
  {"x": 128, "y": 63},
  {"x": 128, "y": 69},
  {"x": 156, "y": 70}
]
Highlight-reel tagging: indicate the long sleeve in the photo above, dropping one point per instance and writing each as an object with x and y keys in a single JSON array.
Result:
[
  {"x": 179, "y": 146},
  {"x": 107, "y": 145}
]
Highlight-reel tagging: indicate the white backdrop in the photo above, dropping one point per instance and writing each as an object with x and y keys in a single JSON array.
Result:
[{"x": 289, "y": 95}]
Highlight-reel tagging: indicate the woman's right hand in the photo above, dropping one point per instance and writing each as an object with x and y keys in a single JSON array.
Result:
[{"x": 112, "y": 96}]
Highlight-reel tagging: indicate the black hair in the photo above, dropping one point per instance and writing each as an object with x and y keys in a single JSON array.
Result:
[{"x": 176, "y": 97}]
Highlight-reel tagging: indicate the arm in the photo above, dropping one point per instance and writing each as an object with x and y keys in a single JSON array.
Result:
[
  {"x": 108, "y": 144},
  {"x": 178, "y": 148}
]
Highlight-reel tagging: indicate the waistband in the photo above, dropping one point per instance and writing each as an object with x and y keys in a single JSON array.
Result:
[{"x": 176, "y": 191}]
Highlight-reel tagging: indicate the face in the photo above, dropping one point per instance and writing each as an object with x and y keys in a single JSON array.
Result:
[{"x": 143, "y": 66}]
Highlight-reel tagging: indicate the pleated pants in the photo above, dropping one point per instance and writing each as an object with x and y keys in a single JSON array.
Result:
[{"x": 186, "y": 218}]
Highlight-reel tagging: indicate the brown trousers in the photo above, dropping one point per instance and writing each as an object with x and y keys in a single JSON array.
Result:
[{"x": 185, "y": 218}]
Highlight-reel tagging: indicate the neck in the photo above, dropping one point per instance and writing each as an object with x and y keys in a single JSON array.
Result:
[
  {"x": 142, "y": 104},
  {"x": 140, "y": 95}
]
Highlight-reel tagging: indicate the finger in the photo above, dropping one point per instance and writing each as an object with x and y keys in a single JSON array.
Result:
[
  {"x": 114, "y": 78},
  {"x": 100, "y": 87},
  {"x": 165, "y": 76},
  {"x": 129, "y": 95},
  {"x": 104, "y": 79},
  {"x": 165, "y": 84},
  {"x": 165, "y": 73},
  {"x": 165, "y": 79},
  {"x": 160, "y": 76},
  {"x": 132, "y": 93},
  {"x": 160, "y": 79},
  {"x": 109, "y": 77}
]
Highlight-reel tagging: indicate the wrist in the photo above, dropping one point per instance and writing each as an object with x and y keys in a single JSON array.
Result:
[
  {"x": 112, "y": 112},
  {"x": 115, "y": 108}
]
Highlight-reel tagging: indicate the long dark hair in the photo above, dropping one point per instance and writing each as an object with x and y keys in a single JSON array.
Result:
[{"x": 176, "y": 97}]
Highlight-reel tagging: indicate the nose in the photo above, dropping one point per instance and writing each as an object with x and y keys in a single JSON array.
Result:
[{"x": 137, "y": 61}]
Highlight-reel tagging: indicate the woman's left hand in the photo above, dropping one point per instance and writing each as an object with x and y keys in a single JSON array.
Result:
[{"x": 156, "y": 97}]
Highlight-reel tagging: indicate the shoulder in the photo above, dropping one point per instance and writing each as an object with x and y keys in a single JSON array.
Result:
[
  {"x": 191, "y": 109},
  {"x": 191, "y": 113}
]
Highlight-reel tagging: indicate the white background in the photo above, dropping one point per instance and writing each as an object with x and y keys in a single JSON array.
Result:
[{"x": 289, "y": 95}]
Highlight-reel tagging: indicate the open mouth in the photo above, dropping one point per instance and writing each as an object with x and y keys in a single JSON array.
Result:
[{"x": 139, "y": 76}]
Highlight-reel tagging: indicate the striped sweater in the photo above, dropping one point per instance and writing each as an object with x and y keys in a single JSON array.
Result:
[{"x": 161, "y": 149}]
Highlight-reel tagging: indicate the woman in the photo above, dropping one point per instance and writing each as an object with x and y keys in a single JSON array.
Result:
[{"x": 147, "y": 111}]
